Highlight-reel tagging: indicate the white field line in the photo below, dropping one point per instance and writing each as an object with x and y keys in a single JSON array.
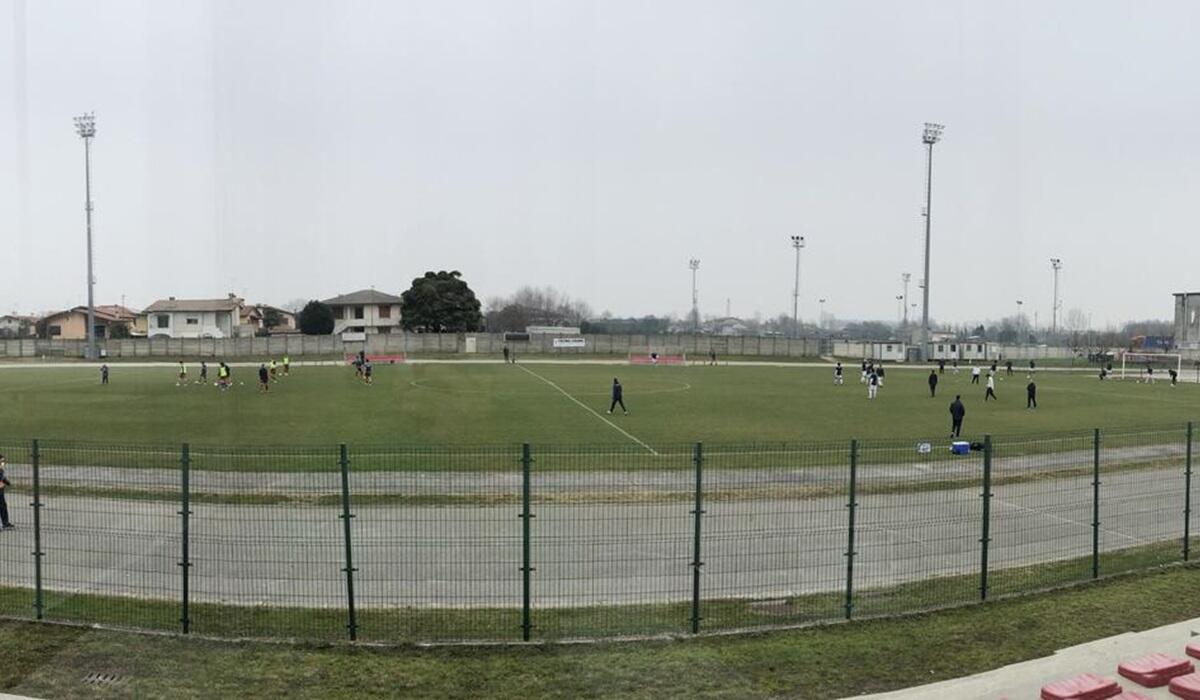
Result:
[
  {"x": 1069, "y": 521},
  {"x": 591, "y": 410}
]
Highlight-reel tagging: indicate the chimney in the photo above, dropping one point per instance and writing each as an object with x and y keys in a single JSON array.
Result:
[{"x": 170, "y": 298}]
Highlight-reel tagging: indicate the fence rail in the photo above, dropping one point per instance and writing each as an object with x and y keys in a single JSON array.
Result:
[{"x": 528, "y": 542}]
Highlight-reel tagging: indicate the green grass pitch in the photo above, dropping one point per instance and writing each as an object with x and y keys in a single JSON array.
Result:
[{"x": 450, "y": 404}]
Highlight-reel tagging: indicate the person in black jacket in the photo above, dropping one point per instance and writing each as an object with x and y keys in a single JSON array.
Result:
[
  {"x": 1031, "y": 395},
  {"x": 933, "y": 380},
  {"x": 618, "y": 397},
  {"x": 957, "y": 411},
  {"x": 5, "y": 523}
]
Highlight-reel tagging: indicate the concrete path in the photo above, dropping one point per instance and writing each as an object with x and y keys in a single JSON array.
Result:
[
  {"x": 1025, "y": 679},
  {"x": 616, "y": 552}
]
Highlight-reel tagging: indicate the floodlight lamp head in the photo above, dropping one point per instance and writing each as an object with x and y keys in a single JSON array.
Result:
[
  {"x": 1056, "y": 263},
  {"x": 798, "y": 241},
  {"x": 694, "y": 263},
  {"x": 85, "y": 125},
  {"x": 933, "y": 133}
]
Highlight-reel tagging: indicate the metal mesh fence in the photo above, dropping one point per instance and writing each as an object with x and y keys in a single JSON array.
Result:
[
  {"x": 1041, "y": 512},
  {"x": 512, "y": 542}
]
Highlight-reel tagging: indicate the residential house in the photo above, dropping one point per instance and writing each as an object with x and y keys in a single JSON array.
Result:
[
  {"x": 364, "y": 312},
  {"x": 196, "y": 318},
  {"x": 17, "y": 326},
  {"x": 257, "y": 316},
  {"x": 71, "y": 324}
]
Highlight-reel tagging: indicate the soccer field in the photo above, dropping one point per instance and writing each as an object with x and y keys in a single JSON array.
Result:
[{"x": 453, "y": 404}]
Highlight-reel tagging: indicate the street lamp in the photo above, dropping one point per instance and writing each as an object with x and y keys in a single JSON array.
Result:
[
  {"x": 931, "y": 135},
  {"x": 694, "y": 264},
  {"x": 85, "y": 126},
  {"x": 1056, "y": 264},
  {"x": 821, "y": 317},
  {"x": 906, "y": 277},
  {"x": 797, "y": 243},
  {"x": 1020, "y": 325}
]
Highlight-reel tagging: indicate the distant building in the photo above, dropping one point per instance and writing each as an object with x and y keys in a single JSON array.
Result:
[
  {"x": 1187, "y": 320},
  {"x": 196, "y": 318},
  {"x": 363, "y": 313},
  {"x": 256, "y": 316},
  {"x": 71, "y": 324},
  {"x": 18, "y": 326},
  {"x": 552, "y": 330}
]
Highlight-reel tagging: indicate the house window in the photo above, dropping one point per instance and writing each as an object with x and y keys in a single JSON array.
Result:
[
  {"x": 953, "y": 348},
  {"x": 193, "y": 321},
  {"x": 979, "y": 348},
  {"x": 385, "y": 311},
  {"x": 384, "y": 330},
  {"x": 889, "y": 348},
  {"x": 358, "y": 312},
  {"x": 162, "y": 321},
  {"x": 54, "y": 330},
  {"x": 941, "y": 348}
]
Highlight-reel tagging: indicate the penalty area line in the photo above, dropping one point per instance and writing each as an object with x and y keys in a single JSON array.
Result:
[{"x": 591, "y": 410}]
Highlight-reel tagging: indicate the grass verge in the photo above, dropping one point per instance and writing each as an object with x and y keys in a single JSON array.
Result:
[{"x": 834, "y": 661}]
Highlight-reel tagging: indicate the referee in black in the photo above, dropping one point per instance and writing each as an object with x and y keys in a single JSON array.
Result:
[{"x": 5, "y": 523}]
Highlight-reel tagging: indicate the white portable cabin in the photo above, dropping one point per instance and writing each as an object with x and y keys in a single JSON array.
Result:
[
  {"x": 944, "y": 350},
  {"x": 889, "y": 351},
  {"x": 973, "y": 350}
]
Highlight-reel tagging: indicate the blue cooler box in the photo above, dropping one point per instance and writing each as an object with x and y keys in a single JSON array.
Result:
[{"x": 960, "y": 447}]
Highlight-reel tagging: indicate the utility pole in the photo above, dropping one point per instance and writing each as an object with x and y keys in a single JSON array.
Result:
[
  {"x": 694, "y": 264},
  {"x": 85, "y": 126},
  {"x": 906, "y": 277},
  {"x": 821, "y": 315},
  {"x": 797, "y": 243},
  {"x": 1020, "y": 325},
  {"x": 899, "y": 307},
  {"x": 1056, "y": 264},
  {"x": 931, "y": 135}
]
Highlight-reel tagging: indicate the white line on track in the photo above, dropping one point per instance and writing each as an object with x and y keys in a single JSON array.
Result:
[
  {"x": 589, "y": 409},
  {"x": 1069, "y": 521}
]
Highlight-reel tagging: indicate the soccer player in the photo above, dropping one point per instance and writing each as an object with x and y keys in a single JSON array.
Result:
[
  {"x": 368, "y": 371},
  {"x": 1008, "y": 367},
  {"x": 1174, "y": 376},
  {"x": 1149, "y": 374},
  {"x": 618, "y": 399},
  {"x": 264, "y": 379},
  {"x": 863, "y": 377},
  {"x": 1103, "y": 374},
  {"x": 654, "y": 358},
  {"x": 712, "y": 359},
  {"x": 203, "y": 373},
  {"x": 104, "y": 374},
  {"x": 872, "y": 385},
  {"x": 974, "y": 374},
  {"x": 223, "y": 376},
  {"x": 5, "y": 523},
  {"x": 1030, "y": 396},
  {"x": 956, "y": 365},
  {"x": 837, "y": 375},
  {"x": 991, "y": 388},
  {"x": 182, "y": 374},
  {"x": 274, "y": 370},
  {"x": 941, "y": 366},
  {"x": 879, "y": 373},
  {"x": 957, "y": 411},
  {"x": 505, "y": 350},
  {"x": 933, "y": 381},
  {"x": 287, "y": 365}
]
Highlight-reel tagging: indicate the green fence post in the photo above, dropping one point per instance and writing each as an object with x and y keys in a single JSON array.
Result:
[
  {"x": 352, "y": 620},
  {"x": 851, "y": 505},
  {"x": 526, "y": 564},
  {"x": 39, "y": 603},
  {"x": 698, "y": 510},
  {"x": 1187, "y": 496},
  {"x": 987, "y": 517},
  {"x": 1096, "y": 503},
  {"x": 185, "y": 563}
]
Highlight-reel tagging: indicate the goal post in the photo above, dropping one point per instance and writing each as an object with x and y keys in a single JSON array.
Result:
[{"x": 1137, "y": 365}]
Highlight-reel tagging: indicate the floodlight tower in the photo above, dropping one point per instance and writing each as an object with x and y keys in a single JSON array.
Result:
[
  {"x": 1056, "y": 264},
  {"x": 899, "y": 307},
  {"x": 906, "y": 277},
  {"x": 85, "y": 126},
  {"x": 694, "y": 264},
  {"x": 797, "y": 243},
  {"x": 821, "y": 314},
  {"x": 1020, "y": 324},
  {"x": 931, "y": 135}
]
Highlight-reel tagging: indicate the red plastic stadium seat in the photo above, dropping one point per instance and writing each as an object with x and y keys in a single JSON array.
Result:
[
  {"x": 1155, "y": 670},
  {"x": 1193, "y": 650},
  {"x": 1087, "y": 686},
  {"x": 1130, "y": 695},
  {"x": 1187, "y": 687}
]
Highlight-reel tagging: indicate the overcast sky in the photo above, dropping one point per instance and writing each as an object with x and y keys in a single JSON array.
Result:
[{"x": 304, "y": 149}]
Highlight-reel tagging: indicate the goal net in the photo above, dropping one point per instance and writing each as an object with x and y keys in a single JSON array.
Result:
[
  {"x": 1149, "y": 366},
  {"x": 657, "y": 358}
]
